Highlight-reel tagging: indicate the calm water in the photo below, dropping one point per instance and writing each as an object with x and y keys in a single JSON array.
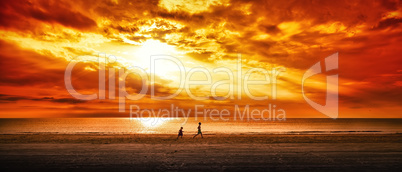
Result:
[{"x": 172, "y": 125}]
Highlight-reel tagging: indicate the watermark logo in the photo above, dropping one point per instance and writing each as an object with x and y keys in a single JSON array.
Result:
[
  {"x": 330, "y": 109},
  {"x": 238, "y": 82}
]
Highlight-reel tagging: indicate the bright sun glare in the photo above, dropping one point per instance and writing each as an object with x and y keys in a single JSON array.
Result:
[
  {"x": 150, "y": 48},
  {"x": 153, "y": 122}
]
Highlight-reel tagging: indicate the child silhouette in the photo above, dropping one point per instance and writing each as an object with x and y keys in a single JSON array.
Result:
[
  {"x": 199, "y": 131},
  {"x": 180, "y": 133}
]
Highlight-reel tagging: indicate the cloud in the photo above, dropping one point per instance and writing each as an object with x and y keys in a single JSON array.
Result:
[
  {"x": 4, "y": 98},
  {"x": 388, "y": 23},
  {"x": 29, "y": 70},
  {"x": 40, "y": 37},
  {"x": 23, "y": 15}
]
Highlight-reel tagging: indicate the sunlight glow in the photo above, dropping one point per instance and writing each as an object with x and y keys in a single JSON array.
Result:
[
  {"x": 152, "y": 122},
  {"x": 154, "y": 48}
]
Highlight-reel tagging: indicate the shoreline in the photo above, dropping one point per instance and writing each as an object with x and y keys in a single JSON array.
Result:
[{"x": 187, "y": 138}]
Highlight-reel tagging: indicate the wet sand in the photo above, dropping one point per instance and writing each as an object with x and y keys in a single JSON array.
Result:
[{"x": 351, "y": 152}]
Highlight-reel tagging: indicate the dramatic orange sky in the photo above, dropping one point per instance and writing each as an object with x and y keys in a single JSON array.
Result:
[{"x": 40, "y": 38}]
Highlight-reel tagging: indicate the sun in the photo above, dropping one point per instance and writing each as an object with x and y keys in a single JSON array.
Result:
[
  {"x": 155, "y": 47},
  {"x": 163, "y": 68}
]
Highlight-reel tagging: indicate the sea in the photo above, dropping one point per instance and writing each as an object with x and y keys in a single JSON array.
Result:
[{"x": 209, "y": 127}]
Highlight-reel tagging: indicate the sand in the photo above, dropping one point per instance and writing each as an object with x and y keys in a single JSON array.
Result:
[{"x": 372, "y": 152}]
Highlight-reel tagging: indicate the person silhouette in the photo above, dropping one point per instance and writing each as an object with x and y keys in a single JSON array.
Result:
[
  {"x": 180, "y": 133},
  {"x": 199, "y": 131}
]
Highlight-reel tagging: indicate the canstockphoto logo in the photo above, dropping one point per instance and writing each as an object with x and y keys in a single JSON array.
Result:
[{"x": 331, "y": 102}]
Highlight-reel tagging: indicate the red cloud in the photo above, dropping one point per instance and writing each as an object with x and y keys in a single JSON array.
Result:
[{"x": 23, "y": 15}]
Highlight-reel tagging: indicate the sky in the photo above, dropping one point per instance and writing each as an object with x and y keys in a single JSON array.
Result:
[{"x": 40, "y": 39}]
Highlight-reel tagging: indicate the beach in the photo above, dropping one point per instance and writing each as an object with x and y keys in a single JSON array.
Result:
[{"x": 222, "y": 152}]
